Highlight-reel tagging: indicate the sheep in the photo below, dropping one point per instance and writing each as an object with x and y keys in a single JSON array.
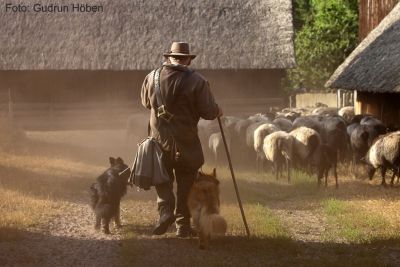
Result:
[
  {"x": 250, "y": 134},
  {"x": 311, "y": 121},
  {"x": 259, "y": 135},
  {"x": 325, "y": 111},
  {"x": 350, "y": 128},
  {"x": 288, "y": 114},
  {"x": 384, "y": 154},
  {"x": 283, "y": 124},
  {"x": 216, "y": 145},
  {"x": 377, "y": 124},
  {"x": 334, "y": 134},
  {"x": 306, "y": 140},
  {"x": 259, "y": 118},
  {"x": 357, "y": 118},
  {"x": 361, "y": 139},
  {"x": 323, "y": 159},
  {"x": 347, "y": 113},
  {"x": 309, "y": 150},
  {"x": 278, "y": 149}
]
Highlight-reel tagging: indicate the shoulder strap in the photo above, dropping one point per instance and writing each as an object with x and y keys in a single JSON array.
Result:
[
  {"x": 161, "y": 108},
  {"x": 157, "y": 90}
]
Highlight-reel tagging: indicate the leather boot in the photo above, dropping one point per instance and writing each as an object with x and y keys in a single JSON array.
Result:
[{"x": 166, "y": 219}]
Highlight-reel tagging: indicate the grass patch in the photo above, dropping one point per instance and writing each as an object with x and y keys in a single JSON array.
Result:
[
  {"x": 353, "y": 223},
  {"x": 261, "y": 220},
  {"x": 20, "y": 212}
]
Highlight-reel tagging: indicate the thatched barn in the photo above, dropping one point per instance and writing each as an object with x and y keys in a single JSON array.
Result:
[
  {"x": 373, "y": 71},
  {"x": 73, "y": 59}
]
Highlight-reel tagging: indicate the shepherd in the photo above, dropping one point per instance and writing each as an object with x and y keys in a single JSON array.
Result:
[{"x": 186, "y": 98}]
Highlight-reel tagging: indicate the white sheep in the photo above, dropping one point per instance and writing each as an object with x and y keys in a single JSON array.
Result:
[
  {"x": 347, "y": 113},
  {"x": 216, "y": 145},
  {"x": 278, "y": 149},
  {"x": 384, "y": 154},
  {"x": 259, "y": 135},
  {"x": 309, "y": 151},
  {"x": 306, "y": 140}
]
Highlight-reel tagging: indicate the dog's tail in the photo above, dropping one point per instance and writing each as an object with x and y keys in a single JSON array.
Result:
[{"x": 212, "y": 224}]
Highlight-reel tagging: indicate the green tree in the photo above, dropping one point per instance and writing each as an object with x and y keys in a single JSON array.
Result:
[{"x": 326, "y": 32}]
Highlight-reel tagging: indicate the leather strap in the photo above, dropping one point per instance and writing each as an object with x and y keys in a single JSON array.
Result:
[
  {"x": 161, "y": 109},
  {"x": 156, "y": 79}
]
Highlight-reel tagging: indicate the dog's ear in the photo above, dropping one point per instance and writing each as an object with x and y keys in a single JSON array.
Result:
[
  {"x": 112, "y": 161},
  {"x": 214, "y": 173},
  {"x": 119, "y": 161}
]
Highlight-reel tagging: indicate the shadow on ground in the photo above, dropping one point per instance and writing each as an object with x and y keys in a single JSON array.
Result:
[
  {"x": 41, "y": 249},
  {"x": 144, "y": 250}
]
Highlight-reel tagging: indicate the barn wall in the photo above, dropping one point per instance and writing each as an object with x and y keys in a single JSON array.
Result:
[
  {"x": 371, "y": 13},
  {"x": 116, "y": 94},
  {"x": 384, "y": 106},
  {"x": 82, "y": 86}
]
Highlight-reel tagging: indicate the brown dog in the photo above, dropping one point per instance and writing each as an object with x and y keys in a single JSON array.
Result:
[{"x": 203, "y": 203}]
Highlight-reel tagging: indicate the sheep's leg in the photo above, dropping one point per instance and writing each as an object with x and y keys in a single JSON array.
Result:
[
  {"x": 383, "y": 173},
  {"x": 288, "y": 169},
  {"x": 320, "y": 175},
  {"x": 106, "y": 225},
  {"x": 326, "y": 172},
  {"x": 336, "y": 176},
  {"x": 258, "y": 163},
  {"x": 353, "y": 164},
  {"x": 393, "y": 176},
  {"x": 276, "y": 167},
  {"x": 97, "y": 225}
]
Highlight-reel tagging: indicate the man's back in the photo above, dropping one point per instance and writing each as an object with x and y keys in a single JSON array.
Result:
[{"x": 186, "y": 94}]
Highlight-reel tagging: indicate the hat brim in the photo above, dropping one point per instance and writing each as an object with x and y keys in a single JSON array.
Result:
[{"x": 179, "y": 55}]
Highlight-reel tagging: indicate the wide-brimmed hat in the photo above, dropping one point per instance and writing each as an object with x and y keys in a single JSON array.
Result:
[{"x": 180, "y": 49}]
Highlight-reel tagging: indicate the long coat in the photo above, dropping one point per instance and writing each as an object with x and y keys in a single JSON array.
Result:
[{"x": 188, "y": 97}]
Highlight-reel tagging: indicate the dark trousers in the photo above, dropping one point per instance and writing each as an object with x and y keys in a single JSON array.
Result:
[{"x": 165, "y": 195}]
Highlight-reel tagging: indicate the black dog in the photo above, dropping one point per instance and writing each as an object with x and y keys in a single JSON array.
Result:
[{"x": 106, "y": 193}]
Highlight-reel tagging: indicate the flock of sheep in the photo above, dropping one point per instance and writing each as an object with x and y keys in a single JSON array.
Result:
[{"x": 312, "y": 140}]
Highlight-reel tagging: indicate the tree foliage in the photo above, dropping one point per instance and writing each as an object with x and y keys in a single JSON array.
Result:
[{"x": 326, "y": 33}]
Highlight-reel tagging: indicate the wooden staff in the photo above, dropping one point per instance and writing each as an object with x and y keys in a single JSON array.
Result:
[{"x": 233, "y": 178}]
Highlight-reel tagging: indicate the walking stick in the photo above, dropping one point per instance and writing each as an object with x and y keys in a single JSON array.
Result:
[{"x": 233, "y": 178}]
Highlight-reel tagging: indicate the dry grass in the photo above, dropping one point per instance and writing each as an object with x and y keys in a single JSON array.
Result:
[{"x": 22, "y": 212}]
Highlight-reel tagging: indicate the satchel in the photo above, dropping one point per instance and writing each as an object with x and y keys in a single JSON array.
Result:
[{"x": 148, "y": 166}]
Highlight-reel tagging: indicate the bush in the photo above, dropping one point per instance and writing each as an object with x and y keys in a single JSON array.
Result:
[{"x": 326, "y": 33}]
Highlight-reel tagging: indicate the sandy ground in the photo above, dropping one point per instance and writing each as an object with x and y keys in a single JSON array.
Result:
[{"x": 68, "y": 240}]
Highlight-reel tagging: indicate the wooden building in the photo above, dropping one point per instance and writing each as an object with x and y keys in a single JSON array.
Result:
[
  {"x": 67, "y": 61},
  {"x": 373, "y": 71}
]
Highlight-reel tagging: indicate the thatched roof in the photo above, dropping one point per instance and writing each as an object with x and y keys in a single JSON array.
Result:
[
  {"x": 133, "y": 34},
  {"x": 374, "y": 65}
]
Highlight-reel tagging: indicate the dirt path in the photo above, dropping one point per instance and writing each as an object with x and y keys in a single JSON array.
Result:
[
  {"x": 304, "y": 225},
  {"x": 68, "y": 240}
]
